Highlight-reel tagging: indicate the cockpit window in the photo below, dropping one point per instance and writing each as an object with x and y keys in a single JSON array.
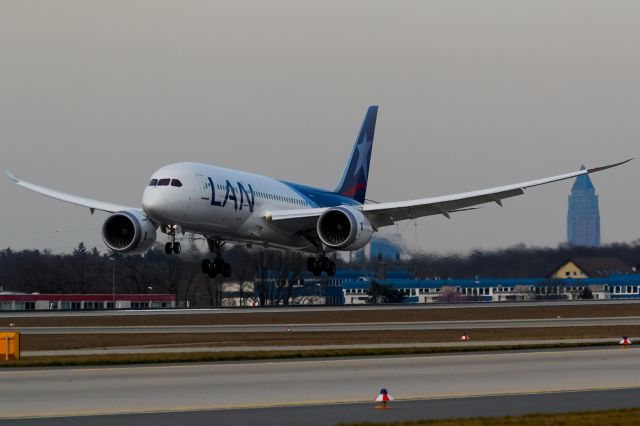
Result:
[
  {"x": 163, "y": 182},
  {"x": 153, "y": 182},
  {"x": 176, "y": 182}
]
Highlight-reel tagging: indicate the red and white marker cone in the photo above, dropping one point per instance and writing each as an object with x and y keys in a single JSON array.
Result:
[
  {"x": 465, "y": 337},
  {"x": 625, "y": 341},
  {"x": 383, "y": 398}
]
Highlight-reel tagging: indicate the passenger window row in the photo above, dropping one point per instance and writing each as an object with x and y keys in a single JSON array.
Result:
[
  {"x": 268, "y": 196},
  {"x": 280, "y": 198},
  {"x": 165, "y": 182}
]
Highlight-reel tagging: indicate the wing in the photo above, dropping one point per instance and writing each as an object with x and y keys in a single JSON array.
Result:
[
  {"x": 68, "y": 198},
  {"x": 385, "y": 214},
  {"x": 296, "y": 220}
]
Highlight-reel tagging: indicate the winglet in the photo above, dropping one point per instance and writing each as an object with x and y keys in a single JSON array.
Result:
[
  {"x": 12, "y": 177},
  {"x": 610, "y": 166}
]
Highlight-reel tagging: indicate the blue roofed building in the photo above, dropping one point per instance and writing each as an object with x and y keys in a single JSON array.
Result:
[{"x": 498, "y": 289}]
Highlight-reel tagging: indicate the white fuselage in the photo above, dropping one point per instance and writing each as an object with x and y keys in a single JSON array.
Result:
[{"x": 222, "y": 203}]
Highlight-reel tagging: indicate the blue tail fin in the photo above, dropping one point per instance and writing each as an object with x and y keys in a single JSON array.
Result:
[{"x": 354, "y": 180}]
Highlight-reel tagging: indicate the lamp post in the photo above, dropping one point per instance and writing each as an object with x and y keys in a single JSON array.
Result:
[{"x": 149, "y": 290}]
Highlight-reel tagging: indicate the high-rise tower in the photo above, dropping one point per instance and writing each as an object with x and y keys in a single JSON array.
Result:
[{"x": 583, "y": 218}]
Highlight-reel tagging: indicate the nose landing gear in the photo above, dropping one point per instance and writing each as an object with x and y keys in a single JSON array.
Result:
[{"x": 172, "y": 246}]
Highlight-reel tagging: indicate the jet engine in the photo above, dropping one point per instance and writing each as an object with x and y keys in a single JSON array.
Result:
[
  {"x": 128, "y": 232},
  {"x": 344, "y": 228}
]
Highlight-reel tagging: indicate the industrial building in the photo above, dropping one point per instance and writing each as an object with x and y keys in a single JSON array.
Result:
[
  {"x": 11, "y": 301},
  {"x": 496, "y": 290},
  {"x": 573, "y": 279}
]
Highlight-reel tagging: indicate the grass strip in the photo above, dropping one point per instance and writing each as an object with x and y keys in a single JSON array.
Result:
[
  {"x": 587, "y": 418},
  {"x": 131, "y": 359},
  {"x": 40, "y": 342}
]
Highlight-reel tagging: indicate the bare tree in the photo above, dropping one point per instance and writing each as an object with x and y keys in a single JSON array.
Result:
[
  {"x": 277, "y": 271},
  {"x": 449, "y": 294}
]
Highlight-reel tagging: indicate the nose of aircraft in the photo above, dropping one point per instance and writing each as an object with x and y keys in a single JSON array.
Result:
[{"x": 154, "y": 202}]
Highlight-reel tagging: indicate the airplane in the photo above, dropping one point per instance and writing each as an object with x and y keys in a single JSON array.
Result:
[{"x": 225, "y": 205}]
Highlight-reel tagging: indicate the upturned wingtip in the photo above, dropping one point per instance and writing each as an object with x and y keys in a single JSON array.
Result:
[
  {"x": 610, "y": 166},
  {"x": 11, "y": 176}
]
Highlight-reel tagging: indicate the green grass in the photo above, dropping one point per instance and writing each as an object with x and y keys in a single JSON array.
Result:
[
  {"x": 589, "y": 418},
  {"x": 129, "y": 359}
]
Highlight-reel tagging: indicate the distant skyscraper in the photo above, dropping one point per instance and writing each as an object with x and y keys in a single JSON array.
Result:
[{"x": 583, "y": 219}]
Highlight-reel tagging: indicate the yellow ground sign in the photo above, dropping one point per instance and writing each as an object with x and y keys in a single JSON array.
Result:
[{"x": 9, "y": 346}]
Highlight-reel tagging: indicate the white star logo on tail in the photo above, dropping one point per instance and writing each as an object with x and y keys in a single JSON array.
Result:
[{"x": 364, "y": 149}]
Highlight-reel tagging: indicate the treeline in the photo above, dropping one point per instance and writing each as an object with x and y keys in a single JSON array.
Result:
[
  {"x": 275, "y": 273},
  {"x": 514, "y": 262}
]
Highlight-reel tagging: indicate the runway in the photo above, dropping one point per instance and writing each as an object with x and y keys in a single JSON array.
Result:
[
  {"x": 202, "y": 387},
  {"x": 336, "y": 327},
  {"x": 333, "y": 414}
]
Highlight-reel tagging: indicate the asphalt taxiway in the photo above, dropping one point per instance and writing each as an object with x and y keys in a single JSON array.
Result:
[{"x": 335, "y": 327}]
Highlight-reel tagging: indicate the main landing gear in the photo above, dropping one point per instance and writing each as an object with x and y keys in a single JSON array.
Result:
[
  {"x": 318, "y": 264},
  {"x": 173, "y": 246},
  {"x": 218, "y": 265}
]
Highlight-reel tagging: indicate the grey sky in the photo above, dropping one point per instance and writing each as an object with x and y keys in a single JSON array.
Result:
[{"x": 94, "y": 96}]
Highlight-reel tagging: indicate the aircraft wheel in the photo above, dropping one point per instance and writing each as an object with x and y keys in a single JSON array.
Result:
[
  {"x": 226, "y": 270},
  {"x": 176, "y": 248},
  {"x": 324, "y": 263},
  {"x": 311, "y": 262},
  {"x": 168, "y": 248},
  {"x": 218, "y": 265},
  {"x": 205, "y": 265},
  {"x": 317, "y": 268},
  {"x": 331, "y": 270}
]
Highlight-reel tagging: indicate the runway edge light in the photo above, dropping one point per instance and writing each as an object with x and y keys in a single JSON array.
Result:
[
  {"x": 384, "y": 397},
  {"x": 625, "y": 341}
]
